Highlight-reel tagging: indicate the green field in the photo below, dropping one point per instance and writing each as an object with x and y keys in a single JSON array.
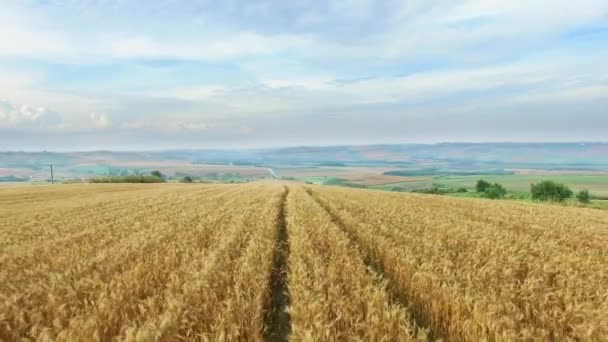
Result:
[
  {"x": 597, "y": 184},
  {"x": 599, "y": 204}
]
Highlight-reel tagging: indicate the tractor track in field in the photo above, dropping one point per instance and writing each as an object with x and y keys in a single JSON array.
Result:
[
  {"x": 277, "y": 320},
  {"x": 418, "y": 317}
]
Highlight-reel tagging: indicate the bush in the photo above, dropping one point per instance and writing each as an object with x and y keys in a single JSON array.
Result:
[
  {"x": 482, "y": 185},
  {"x": 430, "y": 191},
  {"x": 434, "y": 190},
  {"x": 495, "y": 191},
  {"x": 186, "y": 179},
  {"x": 158, "y": 174},
  {"x": 128, "y": 179},
  {"x": 583, "y": 196},
  {"x": 550, "y": 191}
]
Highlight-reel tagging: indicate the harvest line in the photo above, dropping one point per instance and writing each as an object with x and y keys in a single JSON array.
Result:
[{"x": 277, "y": 320}]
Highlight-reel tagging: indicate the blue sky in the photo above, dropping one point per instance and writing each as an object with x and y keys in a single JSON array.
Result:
[{"x": 121, "y": 74}]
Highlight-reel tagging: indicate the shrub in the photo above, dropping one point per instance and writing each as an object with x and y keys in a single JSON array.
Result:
[
  {"x": 431, "y": 191},
  {"x": 127, "y": 179},
  {"x": 482, "y": 185},
  {"x": 495, "y": 191},
  {"x": 583, "y": 196},
  {"x": 158, "y": 174},
  {"x": 550, "y": 191},
  {"x": 434, "y": 190},
  {"x": 186, "y": 179}
]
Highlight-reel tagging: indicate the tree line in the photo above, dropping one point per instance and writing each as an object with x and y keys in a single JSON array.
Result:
[{"x": 546, "y": 191}]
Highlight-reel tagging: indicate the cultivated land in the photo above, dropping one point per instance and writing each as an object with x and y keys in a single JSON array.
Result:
[
  {"x": 276, "y": 261},
  {"x": 596, "y": 183}
]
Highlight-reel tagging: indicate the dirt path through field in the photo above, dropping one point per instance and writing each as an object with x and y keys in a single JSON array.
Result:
[{"x": 277, "y": 319}]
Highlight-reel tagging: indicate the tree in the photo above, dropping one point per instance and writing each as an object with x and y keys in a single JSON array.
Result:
[
  {"x": 550, "y": 191},
  {"x": 495, "y": 191},
  {"x": 187, "y": 179},
  {"x": 157, "y": 173},
  {"x": 482, "y": 185},
  {"x": 583, "y": 196}
]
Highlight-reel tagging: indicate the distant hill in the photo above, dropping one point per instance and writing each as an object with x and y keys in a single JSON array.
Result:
[{"x": 444, "y": 158}]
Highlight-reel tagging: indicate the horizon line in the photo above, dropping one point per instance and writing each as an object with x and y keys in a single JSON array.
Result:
[{"x": 278, "y": 147}]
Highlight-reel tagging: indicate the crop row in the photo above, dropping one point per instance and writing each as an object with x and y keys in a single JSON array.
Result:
[
  {"x": 274, "y": 262},
  {"x": 192, "y": 264},
  {"x": 483, "y": 271},
  {"x": 334, "y": 295}
]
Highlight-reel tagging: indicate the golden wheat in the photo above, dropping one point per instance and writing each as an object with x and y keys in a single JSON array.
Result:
[
  {"x": 113, "y": 274},
  {"x": 486, "y": 270},
  {"x": 334, "y": 298},
  {"x": 169, "y": 262}
]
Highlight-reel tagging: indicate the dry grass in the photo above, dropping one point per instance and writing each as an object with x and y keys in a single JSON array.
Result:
[{"x": 172, "y": 262}]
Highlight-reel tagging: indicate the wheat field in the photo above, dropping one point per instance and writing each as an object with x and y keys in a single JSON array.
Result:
[{"x": 281, "y": 261}]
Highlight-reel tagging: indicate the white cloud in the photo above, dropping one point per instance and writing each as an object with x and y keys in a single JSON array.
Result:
[
  {"x": 24, "y": 35},
  {"x": 304, "y": 83},
  {"x": 99, "y": 120},
  {"x": 196, "y": 93},
  {"x": 134, "y": 125},
  {"x": 232, "y": 45},
  {"x": 27, "y": 36},
  {"x": 25, "y": 116},
  {"x": 192, "y": 126},
  {"x": 351, "y": 8},
  {"x": 472, "y": 31},
  {"x": 439, "y": 89},
  {"x": 419, "y": 28},
  {"x": 579, "y": 94},
  {"x": 546, "y": 14},
  {"x": 428, "y": 57},
  {"x": 10, "y": 79},
  {"x": 155, "y": 123},
  {"x": 30, "y": 86}
]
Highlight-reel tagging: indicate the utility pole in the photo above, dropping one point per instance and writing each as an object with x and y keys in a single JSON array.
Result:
[{"x": 52, "y": 178}]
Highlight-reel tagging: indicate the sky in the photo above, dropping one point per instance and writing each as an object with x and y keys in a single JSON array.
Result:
[{"x": 168, "y": 74}]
